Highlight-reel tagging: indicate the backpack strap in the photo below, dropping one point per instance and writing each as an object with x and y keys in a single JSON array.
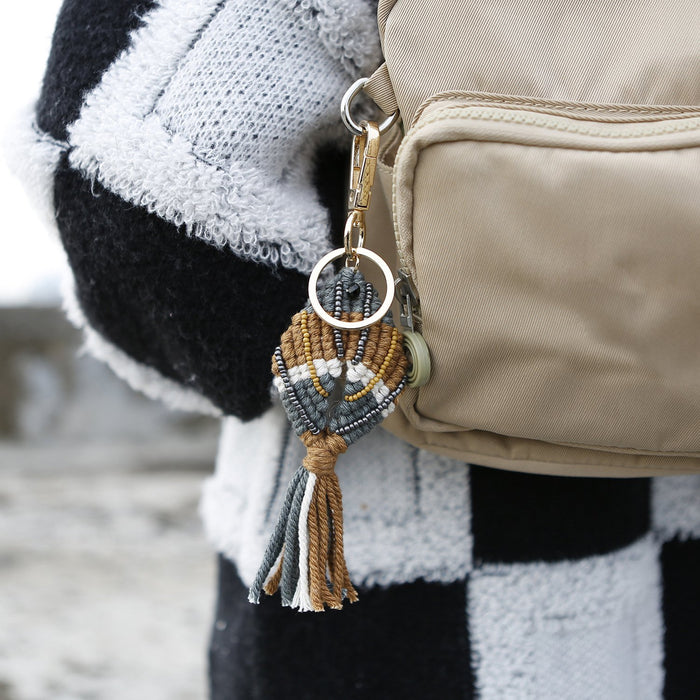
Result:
[{"x": 380, "y": 89}]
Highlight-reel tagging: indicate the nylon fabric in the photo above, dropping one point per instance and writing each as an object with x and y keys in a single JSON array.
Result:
[
  {"x": 569, "y": 247},
  {"x": 544, "y": 200},
  {"x": 628, "y": 52}
]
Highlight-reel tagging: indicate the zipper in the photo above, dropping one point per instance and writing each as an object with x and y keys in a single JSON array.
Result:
[
  {"x": 414, "y": 344},
  {"x": 407, "y": 297}
]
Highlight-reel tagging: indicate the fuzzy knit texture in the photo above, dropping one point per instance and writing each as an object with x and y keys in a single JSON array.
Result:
[
  {"x": 197, "y": 96},
  {"x": 191, "y": 156},
  {"x": 89, "y": 34},
  {"x": 170, "y": 301},
  {"x": 407, "y": 641},
  {"x": 575, "y": 588}
]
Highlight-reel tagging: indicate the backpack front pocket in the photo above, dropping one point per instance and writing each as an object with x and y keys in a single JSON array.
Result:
[{"x": 556, "y": 250}]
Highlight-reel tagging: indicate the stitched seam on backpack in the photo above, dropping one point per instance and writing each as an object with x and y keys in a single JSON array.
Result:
[
  {"x": 518, "y": 102},
  {"x": 487, "y": 114}
]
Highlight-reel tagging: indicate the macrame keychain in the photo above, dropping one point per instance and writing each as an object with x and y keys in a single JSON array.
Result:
[{"x": 339, "y": 368}]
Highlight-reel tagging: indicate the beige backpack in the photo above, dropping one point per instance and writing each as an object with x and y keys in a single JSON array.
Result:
[{"x": 545, "y": 193}]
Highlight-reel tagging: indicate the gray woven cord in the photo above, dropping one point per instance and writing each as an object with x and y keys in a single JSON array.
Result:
[
  {"x": 314, "y": 405},
  {"x": 353, "y": 419},
  {"x": 353, "y": 299},
  {"x": 274, "y": 546},
  {"x": 346, "y": 423},
  {"x": 290, "y": 566},
  {"x": 369, "y": 296},
  {"x": 347, "y": 292},
  {"x": 334, "y": 421},
  {"x": 304, "y": 411}
]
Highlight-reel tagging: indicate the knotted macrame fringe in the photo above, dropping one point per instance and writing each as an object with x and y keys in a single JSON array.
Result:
[
  {"x": 304, "y": 559},
  {"x": 335, "y": 386}
]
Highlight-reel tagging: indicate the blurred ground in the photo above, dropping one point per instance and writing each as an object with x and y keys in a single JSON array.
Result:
[{"x": 106, "y": 581}]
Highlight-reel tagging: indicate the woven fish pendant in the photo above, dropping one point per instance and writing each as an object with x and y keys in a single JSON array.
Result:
[{"x": 336, "y": 385}]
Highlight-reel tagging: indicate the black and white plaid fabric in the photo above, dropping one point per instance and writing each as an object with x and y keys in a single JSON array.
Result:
[{"x": 169, "y": 145}]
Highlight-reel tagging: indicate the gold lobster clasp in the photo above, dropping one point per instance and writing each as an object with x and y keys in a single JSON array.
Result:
[{"x": 363, "y": 165}]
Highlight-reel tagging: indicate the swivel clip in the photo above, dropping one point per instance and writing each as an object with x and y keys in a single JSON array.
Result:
[{"x": 363, "y": 165}]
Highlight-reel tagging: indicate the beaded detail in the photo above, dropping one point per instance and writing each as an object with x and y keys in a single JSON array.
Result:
[
  {"x": 306, "y": 339},
  {"x": 304, "y": 559}
]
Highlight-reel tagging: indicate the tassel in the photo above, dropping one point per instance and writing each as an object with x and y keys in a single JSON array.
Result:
[{"x": 304, "y": 559}]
